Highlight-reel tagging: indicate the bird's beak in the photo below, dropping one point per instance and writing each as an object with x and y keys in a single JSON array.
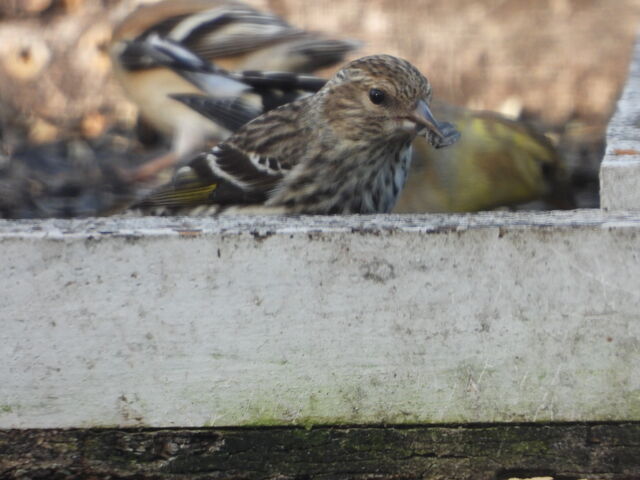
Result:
[
  {"x": 423, "y": 117},
  {"x": 438, "y": 134}
]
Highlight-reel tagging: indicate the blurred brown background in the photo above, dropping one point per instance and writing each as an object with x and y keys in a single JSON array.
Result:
[{"x": 560, "y": 63}]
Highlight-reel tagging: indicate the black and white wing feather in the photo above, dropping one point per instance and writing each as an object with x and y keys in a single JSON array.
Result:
[
  {"x": 229, "y": 30},
  {"x": 244, "y": 170},
  {"x": 211, "y": 79},
  {"x": 230, "y": 99}
]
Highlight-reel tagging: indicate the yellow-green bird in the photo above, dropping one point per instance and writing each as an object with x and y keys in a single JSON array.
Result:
[{"x": 497, "y": 162}]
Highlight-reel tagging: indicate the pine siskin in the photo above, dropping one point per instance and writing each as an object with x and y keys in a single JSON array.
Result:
[
  {"x": 234, "y": 35},
  {"x": 345, "y": 149},
  {"x": 498, "y": 162}
]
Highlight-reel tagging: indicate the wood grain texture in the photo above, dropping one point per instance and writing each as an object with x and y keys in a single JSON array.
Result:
[{"x": 456, "y": 452}]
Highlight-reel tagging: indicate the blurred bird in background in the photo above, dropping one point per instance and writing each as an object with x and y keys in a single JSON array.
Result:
[
  {"x": 233, "y": 35},
  {"x": 498, "y": 162},
  {"x": 345, "y": 149},
  {"x": 225, "y": 99}
]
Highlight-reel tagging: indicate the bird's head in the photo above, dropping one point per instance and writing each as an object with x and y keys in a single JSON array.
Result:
[{"x": 384, "y": 96}]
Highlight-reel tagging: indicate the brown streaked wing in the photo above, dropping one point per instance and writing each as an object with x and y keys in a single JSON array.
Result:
[{"x": 275, "y": 142}]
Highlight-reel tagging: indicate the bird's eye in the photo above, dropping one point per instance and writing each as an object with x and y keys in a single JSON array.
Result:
[{"x": 376, "y": 96}]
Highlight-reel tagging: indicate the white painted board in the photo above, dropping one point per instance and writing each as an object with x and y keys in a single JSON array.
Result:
[
  {"x": 620, "y": 168},
  {"x": 345, "y": 320}
]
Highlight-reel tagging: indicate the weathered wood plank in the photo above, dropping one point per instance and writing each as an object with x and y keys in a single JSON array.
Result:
[
  {"x": 308, "y": 321},
  {"x": 495, "y": 452}
]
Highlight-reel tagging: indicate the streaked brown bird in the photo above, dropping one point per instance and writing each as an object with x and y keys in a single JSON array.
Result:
[
  {"x": 233, "y": 35},
  {"x": 345, "y": 149},
  {"x": 497, "y": 162}
]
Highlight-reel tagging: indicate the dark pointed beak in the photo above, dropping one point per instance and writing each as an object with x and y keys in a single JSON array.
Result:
[
  {"x": 438, "y": 134},
  {"x": 423, "y": 117}
]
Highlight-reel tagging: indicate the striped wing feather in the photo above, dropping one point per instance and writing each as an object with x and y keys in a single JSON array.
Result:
[{"x": 244, "y": 170}]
